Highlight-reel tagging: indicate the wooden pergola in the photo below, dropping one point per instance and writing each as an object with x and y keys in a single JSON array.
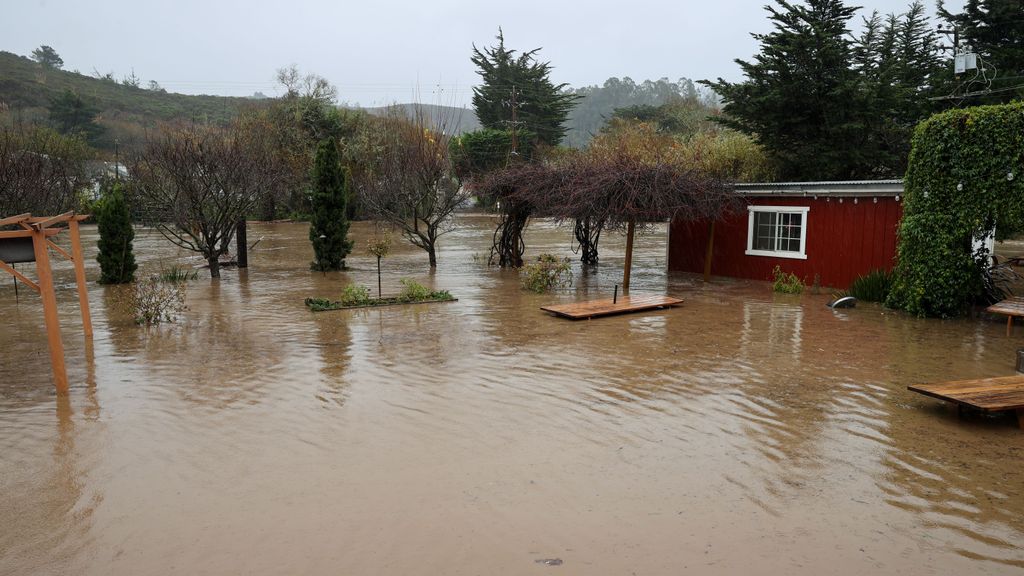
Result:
[{"x": 32, "y": 243}]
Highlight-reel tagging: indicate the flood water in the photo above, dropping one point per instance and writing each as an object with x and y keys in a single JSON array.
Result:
[{"x": 743, "y": 432}]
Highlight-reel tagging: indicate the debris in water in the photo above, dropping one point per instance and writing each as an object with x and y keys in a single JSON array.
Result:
[{"x": 550, "y": 561}]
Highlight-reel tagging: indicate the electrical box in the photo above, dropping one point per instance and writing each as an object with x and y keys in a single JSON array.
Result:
[
  {"x": 971, "y": 61},
  {"x": 960, "y": 64}
]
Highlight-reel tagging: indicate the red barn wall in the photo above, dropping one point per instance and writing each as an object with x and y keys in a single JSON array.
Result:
[{"x": 845, "y": 239}]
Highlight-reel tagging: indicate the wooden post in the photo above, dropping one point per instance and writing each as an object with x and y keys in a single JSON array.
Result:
[
  {"x": 1020, "y": 418},
  {"x": 83, "y": 293},
  {"x": 630, "y": 229},
  {"x": 708, "y": 253},
  {"x": 45, "y": 273},
  {"x": 241, "y": 249},
  {"x": 1009, "y": 325}
]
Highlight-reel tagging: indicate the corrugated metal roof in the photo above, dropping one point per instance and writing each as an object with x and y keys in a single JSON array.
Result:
[{"x": 837, "y": 188}]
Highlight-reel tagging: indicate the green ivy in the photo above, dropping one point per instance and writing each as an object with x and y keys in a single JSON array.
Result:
[{"x": 966, "y": 176}]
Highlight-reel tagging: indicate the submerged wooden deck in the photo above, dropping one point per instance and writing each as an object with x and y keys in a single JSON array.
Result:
[
  {"x": 988, "y": 394},
  {"x": 605, "y": 307}
]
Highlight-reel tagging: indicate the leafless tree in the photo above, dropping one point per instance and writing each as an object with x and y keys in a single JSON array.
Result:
[
  {"x": 196, "y": 183},
  {"x": 41, "y": 171},
  {"x": 412, "y": 184}
]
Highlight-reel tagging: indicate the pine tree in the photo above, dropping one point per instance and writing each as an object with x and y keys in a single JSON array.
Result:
[
  {"x": 520, "y": 86},
  {"x": 117, "y": 261},
  {"x": 801, "y": 98},
  {"x": 329, "y": 227}
]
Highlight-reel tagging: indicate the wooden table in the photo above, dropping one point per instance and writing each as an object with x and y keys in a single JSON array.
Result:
[
  {"x": 1010, "y": 307},
  {"x": 607, "y": 306},
  {"x": 988, "y": 394}
]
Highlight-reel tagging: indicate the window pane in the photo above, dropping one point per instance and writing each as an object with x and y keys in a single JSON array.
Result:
[
  {"x": 777, "y": 231},
  {"x": 764, "y": 230}
]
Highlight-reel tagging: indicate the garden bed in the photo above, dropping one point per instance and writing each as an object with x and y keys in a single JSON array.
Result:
[{"x": 323, "y": 304}]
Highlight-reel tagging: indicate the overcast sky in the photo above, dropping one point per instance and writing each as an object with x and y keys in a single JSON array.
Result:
[{"x": 380, "y": 52}]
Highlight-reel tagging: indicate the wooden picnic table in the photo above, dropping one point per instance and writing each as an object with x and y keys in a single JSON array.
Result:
[
  {"x": 1001, "y": 394},
  {"x": 1010, "y": 307}
]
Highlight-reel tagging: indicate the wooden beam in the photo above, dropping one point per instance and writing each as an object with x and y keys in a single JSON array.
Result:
[
  {"x": 15, "y": 219},
  {"x": 26, "y": 233},
  {"x": 710, "y": 250},
  {"x": 60, "y": 250},
  {"x": 83, "y": 289},
  {"x": 40, "y": 223},
  {"x": 60, "y": 373},
  {"x": 627, "y": 268},
  {"x": 10, "y": 269}
]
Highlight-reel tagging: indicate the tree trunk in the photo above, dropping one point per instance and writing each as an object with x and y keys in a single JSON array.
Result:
[
  {"x": 433, "y": 255},
  {"x": 628, "y": 268},
  {"x": 214, "y": 266}
]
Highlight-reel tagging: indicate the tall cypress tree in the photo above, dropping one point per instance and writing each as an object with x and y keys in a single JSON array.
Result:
[
  {"x": 801, "y": 96},
  {"x": 116, "y": 258},
  {"x": 520, "y": 86},
  {"x": 328, "y": 229},
  {"x": 995, "y": 30}
]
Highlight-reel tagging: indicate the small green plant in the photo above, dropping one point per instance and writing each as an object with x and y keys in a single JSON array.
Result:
[
  {"x": 355, "y": 295},
  {"x": 320, "y": 304},
  {"x": 872, "y": 287},
  {"x": 117, "y": 261},
  {"x": 413, "y": 291},
  {"x": 547, "y": 273},
  {"x": 786, "y": 282},
  {"x": 178, "y": 274},
  {"x": 153, "y": 301}
]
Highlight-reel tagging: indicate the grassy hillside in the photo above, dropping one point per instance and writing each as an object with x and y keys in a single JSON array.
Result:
[{"x": 125, "y": 111}]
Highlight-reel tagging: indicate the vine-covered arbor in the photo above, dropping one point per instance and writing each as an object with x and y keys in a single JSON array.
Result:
[
  {"x": 616, "y": 191},
  {"x": 966, "y": 178}
]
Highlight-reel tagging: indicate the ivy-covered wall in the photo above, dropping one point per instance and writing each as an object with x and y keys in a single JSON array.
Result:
[{"x": 966, "y": 175}]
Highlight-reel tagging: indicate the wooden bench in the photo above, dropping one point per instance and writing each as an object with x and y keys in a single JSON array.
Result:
[
  {"x": 607, "y": 307},
  {"x": 988, "y": 394},
  {"x": 1010, "y": 307}
]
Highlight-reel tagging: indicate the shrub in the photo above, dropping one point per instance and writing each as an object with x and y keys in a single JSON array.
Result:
[
  {"x": 413, "y": 291},
  {"x": 154, "y": 302},
  {"x": 547, "y": 273},
  {"x": 328, "y": 230},
  {"x": 786, "y": 282},
  {"x": 872, "y": 287},
  {"x": 355, "y": 295}
]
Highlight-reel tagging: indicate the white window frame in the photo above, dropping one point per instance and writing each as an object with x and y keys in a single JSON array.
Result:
[{"x": 802, "y": 210}]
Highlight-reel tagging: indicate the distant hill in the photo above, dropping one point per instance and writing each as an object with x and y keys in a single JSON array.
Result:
[
  {"x": 125, "y": 111},
  {"x": 459, "y": 120}
]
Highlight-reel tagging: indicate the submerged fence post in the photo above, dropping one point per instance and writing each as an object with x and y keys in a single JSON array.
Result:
[
  {"x": 615, "y": 295},
  {"x": 242, "y": 249}
]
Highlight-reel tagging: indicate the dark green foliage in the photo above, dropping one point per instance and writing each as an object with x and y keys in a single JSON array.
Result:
[
  {"x": 178, "y": 274},
  {"x": 328, "y": 230},
  {"x": 995, "y": 29},
  {"x": 872, "y": 287},
  {"x": 800, "y": 95},
  {"x": 540, "y": 106},
  {"x": 355, "y": 296},
  {"x": 71, "y": 115},
  {"x": 487, "y": 149},
  {"x": 547, "y": 273},
  {"x": 116, "y": 258},
  {"x": 901, "y": 68},
  {"x": 48, "y": 57},
  {"x": 965, "y": 178},
  {"x": 828, "y": 107}
]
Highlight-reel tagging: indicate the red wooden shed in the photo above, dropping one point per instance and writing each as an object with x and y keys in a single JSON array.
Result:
[{"x": 824, "y": 232}]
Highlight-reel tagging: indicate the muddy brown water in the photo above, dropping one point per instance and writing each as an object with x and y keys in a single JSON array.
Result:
[{"x": 741, "y": 433}]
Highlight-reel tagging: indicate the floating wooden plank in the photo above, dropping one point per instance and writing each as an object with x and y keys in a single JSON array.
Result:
[
  {"x": 1011, "y": 307},
  {"x": 606, "y": 307},
  {"x": 988, "y": 395}
]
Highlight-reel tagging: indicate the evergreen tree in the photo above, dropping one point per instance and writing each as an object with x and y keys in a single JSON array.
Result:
[
  {"x": 117, "y": 261},
  {"x": 801, "y": 98},
  {"x": 995, "y": 30},
  {"x": 72, "y": 115},
  {"x": 48, "y": 57},
  {"x": 520, "y": 86},
  {"x": 328, "y": 229}
]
